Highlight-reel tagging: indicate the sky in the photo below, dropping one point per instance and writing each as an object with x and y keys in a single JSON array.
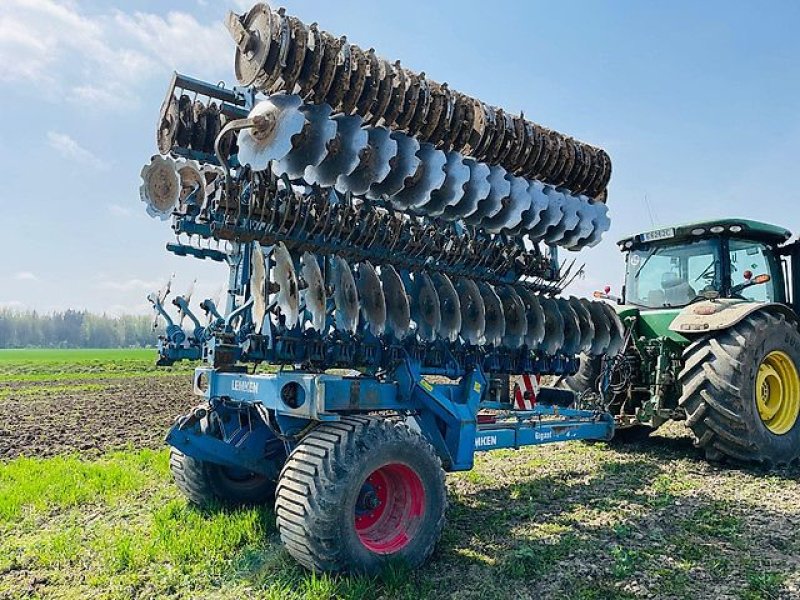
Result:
[{"x": 698, "y": 104}]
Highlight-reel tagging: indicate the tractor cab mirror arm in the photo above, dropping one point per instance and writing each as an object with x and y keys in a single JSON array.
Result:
[{"x": 757, "y": 280}]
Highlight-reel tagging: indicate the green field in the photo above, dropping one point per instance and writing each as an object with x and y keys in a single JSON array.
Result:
[{"x": 580, "y": 521}]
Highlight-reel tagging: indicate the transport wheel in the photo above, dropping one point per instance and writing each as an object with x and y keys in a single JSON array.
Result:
[
  {"x": 361, "y": 491},
  {"x": 208, "y": 484},
  {"x": 741, "y": 390}
]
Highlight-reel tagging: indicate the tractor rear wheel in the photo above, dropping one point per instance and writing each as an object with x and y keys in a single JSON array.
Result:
[
  {"x": 208, "y": 484},
  {"x": 741, "y": 390},
  {"x": 358, "y": 492}
]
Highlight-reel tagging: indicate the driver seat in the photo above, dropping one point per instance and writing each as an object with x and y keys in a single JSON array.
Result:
[{"x": 677, "y": 291}]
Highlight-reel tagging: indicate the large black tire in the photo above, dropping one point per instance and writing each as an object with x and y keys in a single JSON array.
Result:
[
  {"x": 719, "y": 390},
  {"x": 335, "y": 477},
  {"x": 208, "y": 484},
  {"x": 586, "y": 377}
]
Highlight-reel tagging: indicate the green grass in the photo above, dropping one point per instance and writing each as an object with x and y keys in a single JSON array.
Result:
[{"x": 48, "y": 365}]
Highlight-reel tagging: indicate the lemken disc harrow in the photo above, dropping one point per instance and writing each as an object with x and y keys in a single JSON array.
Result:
[{"x": 378, "y": 223}]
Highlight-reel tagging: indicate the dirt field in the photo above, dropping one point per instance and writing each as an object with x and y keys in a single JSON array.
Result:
[{"x": 81, "y": 518}]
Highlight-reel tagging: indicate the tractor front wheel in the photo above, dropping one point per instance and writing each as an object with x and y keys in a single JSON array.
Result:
[
  {"x": 361, "y": 491},
  {"x": 741, "y": 390}
]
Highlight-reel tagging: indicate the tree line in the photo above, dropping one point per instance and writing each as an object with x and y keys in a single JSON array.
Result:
[{"x": 74, "y": 329}]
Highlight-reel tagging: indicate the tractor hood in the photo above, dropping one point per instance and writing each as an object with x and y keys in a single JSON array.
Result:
[{"x": 714, "y": 315}]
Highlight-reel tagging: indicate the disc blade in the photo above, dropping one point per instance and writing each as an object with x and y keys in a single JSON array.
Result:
[
  {"x": 473, "y": 311},
  {"x": 495, "y": 320},
  {"x": 515, "y": 317},
  {"x": 602, "y": 328},
  {"x": 476, "y": 190},
  {"x": 398, "y": 310},
  {"x": 585, "y": 226},
  {"x": 342, "y": 155},
  {"x": 452, "y": 191},
  {"x": 514, "y": 205},
  {"x": 288, "y": 298},
  {"x": 258, "y": 287},
  {"x": 314, "y": 294},
  {"x": 534, "y": 315},
  {"x": 284, "y": 120},
  {"x": 429, "y": 176},
  {"x": 568, "y": 222},
  {"x": 552, "y": 213},
  {"x": 161, "y": 187},
  {"x": 425, "y": 309},
  {"x": 585, "y": 322},
  {"x": 345, "y": 297},
  {"x": 373, "y": 302},
  {"x": 192, "y": 182},
  {"x": 553, "y": 339},
  {"x": 601, "y": 224},
  {"x": 402, "y": 166},
  {"x": 374, "y": 163},
  {"x": 572, "y": 328},
  {"x": 499, "y": 188},
  {"x": 616, "y": 345},
  {"x": 310, "y": 146},
  {"x": 449, "y": 307}
]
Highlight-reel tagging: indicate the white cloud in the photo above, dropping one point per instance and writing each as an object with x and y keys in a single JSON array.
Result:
[
  {"x": 26, "y": 276},
  {"x": 103, "y": 58},
  {"x": 69, "y": 148},
  {"x": 130, "y": 285},
  {"x": 119, "y": 211}
]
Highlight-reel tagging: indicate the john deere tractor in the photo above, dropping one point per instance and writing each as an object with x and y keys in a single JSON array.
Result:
[{"x": 712, "y": 339}]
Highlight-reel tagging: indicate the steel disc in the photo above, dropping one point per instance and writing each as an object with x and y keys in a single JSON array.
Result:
[
  {"x": 602, "y": 329},
  {"x": 192, "y": 181},
  {"x": 456, "y": 176},
  {"x": 495, "y": 319},
  {"x": 476, "y": 189},
  {"x": 402, "y": 166},
  {"x": 258, "y": 287},
  {"x": 473, "y": 311},
  {"x": 585, "y": 226},
  {"x": 514, "y": 205},
  {"x": 568, "y": 222},
  {"x": 515, "y": 317},
  {"x": 314, "y": 294},
  {"x": 551, "y": 215},
  {"x": 499, "y": 188},
  {"x": 534, "y": 315},
  {"x": 374, "y": 163},
  {"x": 310, "y": 146},
  {"x": 288, "y": 297},
  {"x": 584, "y": 322},
  {"x": 617, "y": 330},
  {"x": 342, "y": 155},
  {"x": 449, "y": 307},
  {"x": 554, "y": 328},
  {"x": 373, "y": 302},
  {"x": 398, "y": 310},
  {"x": 572, "y": 328},
  {"x": 425, "y": 309},
  {"x": 430, "y": 175},
  {"x": 284, "y": 121},
  {"x": 161, "y": 186},
  {"x": 345, "y": 297}
]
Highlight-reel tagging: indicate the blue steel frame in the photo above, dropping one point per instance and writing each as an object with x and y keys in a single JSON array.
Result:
[{"x": 276, "y": 409}]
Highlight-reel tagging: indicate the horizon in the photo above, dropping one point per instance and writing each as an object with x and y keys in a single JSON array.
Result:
[{"x": 696, "y": 105}]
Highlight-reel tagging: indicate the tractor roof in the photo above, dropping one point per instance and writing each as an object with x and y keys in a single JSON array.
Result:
[{"x": 741, "y": 228}]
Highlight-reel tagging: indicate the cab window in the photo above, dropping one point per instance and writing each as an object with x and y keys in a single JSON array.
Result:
[{"x": 749, "y": 259}]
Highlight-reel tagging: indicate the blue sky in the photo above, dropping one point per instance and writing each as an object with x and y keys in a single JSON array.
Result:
[{"x": 698, "y": 104}]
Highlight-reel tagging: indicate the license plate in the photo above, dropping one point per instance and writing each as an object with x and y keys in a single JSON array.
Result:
[{"x": 658, "y": 234}]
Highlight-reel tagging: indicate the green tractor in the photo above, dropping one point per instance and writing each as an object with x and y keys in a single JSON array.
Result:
[{"x": 712, "y": 339}]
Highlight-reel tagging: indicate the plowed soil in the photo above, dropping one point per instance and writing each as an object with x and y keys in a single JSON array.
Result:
[{"x": 90, "y": 417}]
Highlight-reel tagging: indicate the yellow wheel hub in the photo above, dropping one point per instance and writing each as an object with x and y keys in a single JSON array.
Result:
[{"x": 778, "y": 392}]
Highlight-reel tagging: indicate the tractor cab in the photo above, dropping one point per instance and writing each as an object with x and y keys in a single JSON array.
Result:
[{"x": 674, "y": 267}]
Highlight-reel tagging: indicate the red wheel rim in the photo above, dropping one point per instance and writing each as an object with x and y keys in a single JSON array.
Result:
[{"x": 389, "y": 508}]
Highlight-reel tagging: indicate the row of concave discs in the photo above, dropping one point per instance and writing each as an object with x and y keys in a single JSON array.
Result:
[
  {"x": 433, "y": 306},
  {"x": 307, "y": 143},
  {"x": 193, "y": 125},
  {"x": 276, "y": 52}
]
